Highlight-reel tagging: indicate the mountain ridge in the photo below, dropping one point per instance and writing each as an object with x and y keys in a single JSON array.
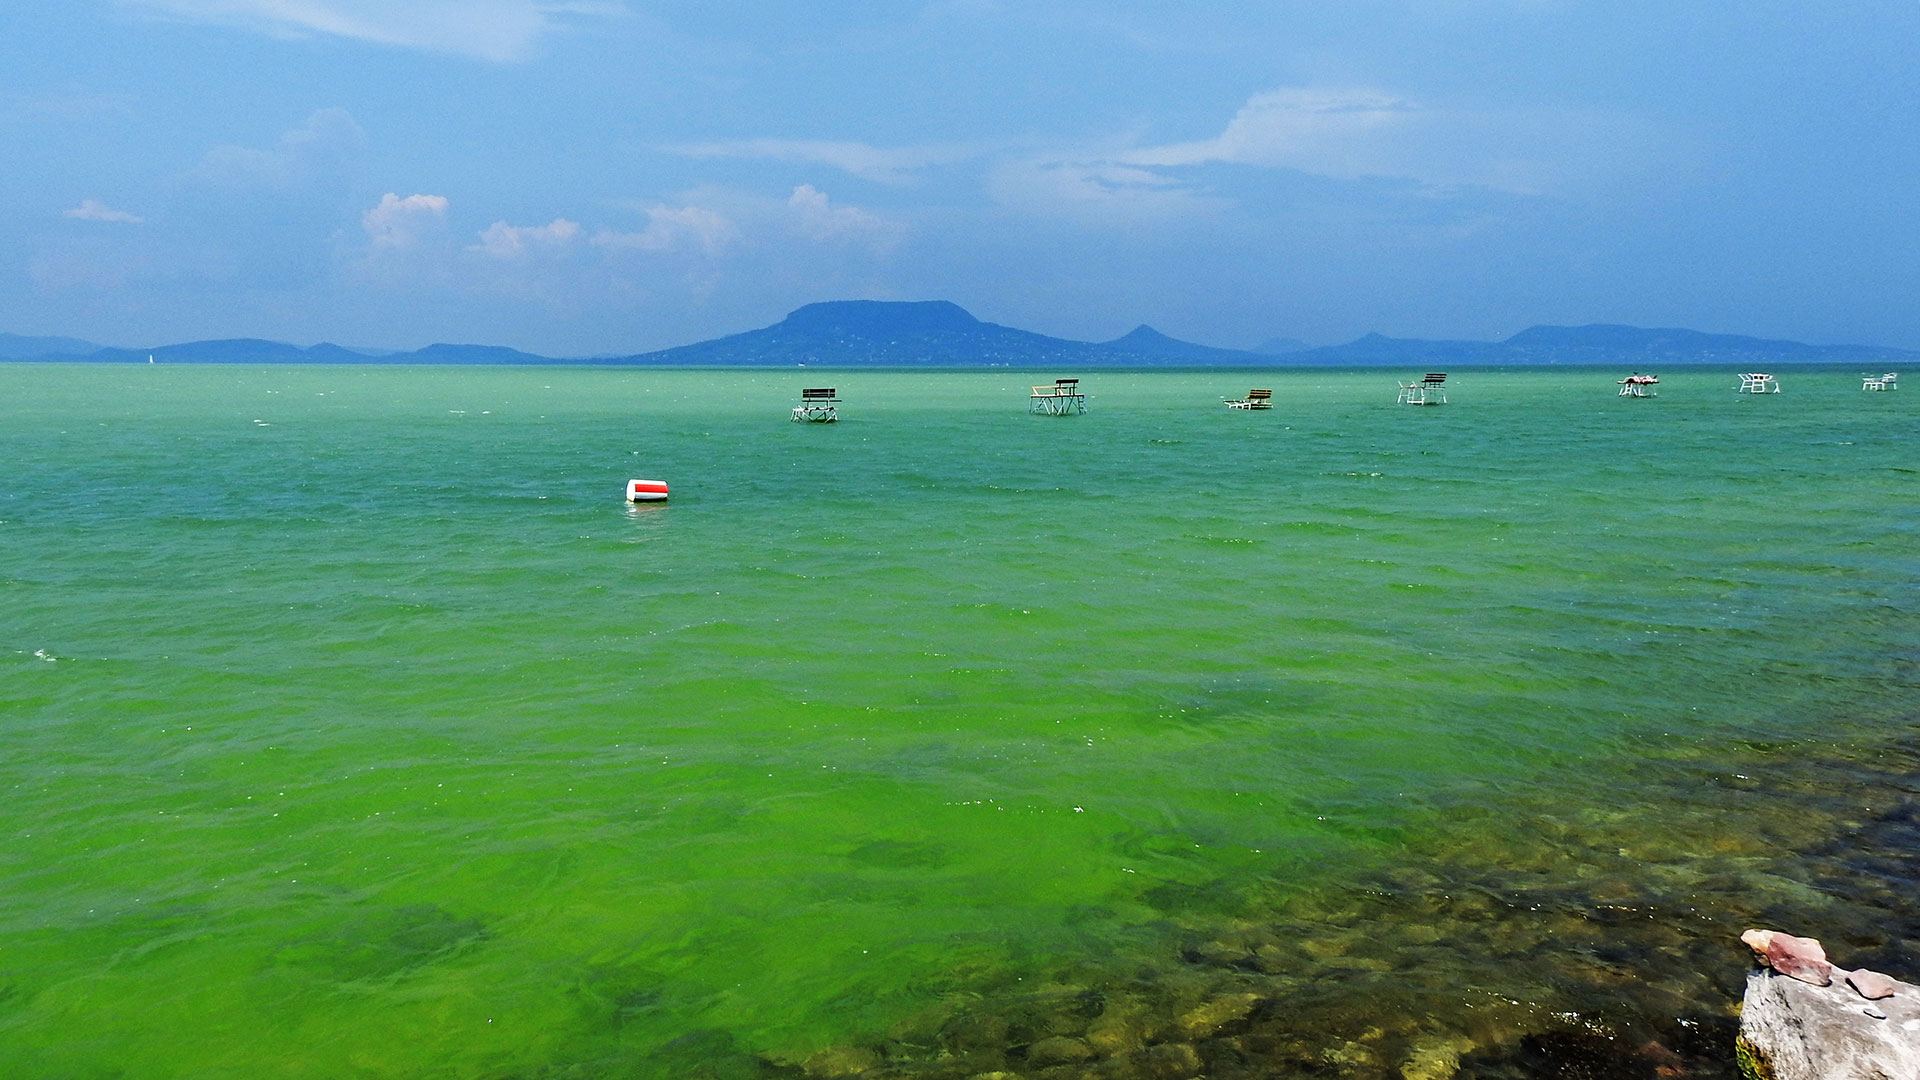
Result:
[{"x": 940, "y": 333}]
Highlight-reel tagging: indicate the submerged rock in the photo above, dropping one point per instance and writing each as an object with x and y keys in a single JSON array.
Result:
[
  {"x": 1791, "y": 1029},
  {"x": 1435, "y": 1058},
  {"x": 1171, "y": 1061},
  {"x": 838, "y": 1062},
  {"x": 1115, "y": 1035},
  {"x": 1057, "y": 1050},
  {"x": 1216, "y": 1014}
]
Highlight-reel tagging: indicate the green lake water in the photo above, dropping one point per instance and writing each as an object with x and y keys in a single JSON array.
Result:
[{"x": 354, "y": 725}]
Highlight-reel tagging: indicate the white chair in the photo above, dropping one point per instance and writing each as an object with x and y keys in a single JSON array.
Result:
[{"x": 1426, "y": 391}]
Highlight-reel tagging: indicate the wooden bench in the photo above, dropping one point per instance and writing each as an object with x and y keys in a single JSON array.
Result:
[{"x": 1255, "y": 399}]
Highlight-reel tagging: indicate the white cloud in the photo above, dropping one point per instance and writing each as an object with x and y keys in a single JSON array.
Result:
[
  {"x": 504, "y": 241},
  {"x": 317, "y": 149},
  {"x": 819, "y": 220},
  {"x": 889, "y": 165},
  {"x": 671, "y": 229},
  {"x": 1355, "y": 132},
  {"x": 497, "y": 30},
  {"x": 397, "y": 223},
  {"x": 1315, "y": 129},
  {"x": 1096, "y": 187},
  {"x": 94, "y": 210}
]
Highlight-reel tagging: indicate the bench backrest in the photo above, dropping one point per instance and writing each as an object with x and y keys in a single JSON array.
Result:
[
  {"x": 1434, "y": 378},
  {"x": 1259, "y": 395},
  {"x": 817, "y": 393}
]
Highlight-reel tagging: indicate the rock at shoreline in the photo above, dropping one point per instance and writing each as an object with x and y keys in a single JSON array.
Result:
[
  {"x": 1792, "y": 1029},
  {"x": 1798, "y": 957},
  {"x": 1871, "y": 984}
]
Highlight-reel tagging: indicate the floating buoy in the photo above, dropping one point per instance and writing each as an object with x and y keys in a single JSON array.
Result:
[{"x": 646, "y": 491}]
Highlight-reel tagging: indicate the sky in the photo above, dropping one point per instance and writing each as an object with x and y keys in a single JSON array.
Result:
[{"x": 595, "y": 177}]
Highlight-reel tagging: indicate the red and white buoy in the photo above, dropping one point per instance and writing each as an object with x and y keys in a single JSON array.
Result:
[{"x": 646, "y": 491}]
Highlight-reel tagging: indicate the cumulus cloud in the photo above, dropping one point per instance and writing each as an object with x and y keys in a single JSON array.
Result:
[
  {"x": 95, "y": 210},
  {"x": 717, "y": 221},
  {"x": 497, "y": 30},
  {"x": 676, "y": 229},
  {"x": 820, "y": 220},
  {"x": 889, "y": 165},
  {"x": 397, "y": 223},
  {"x": 504, "y": 241}
]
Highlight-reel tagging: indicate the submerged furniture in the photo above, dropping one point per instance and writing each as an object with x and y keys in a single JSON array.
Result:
[
  {"x": 1255, "y": 399},
  {"x": 1638, "y": 385},
  {"x": 1063, "y": 398},
  {"x": 816, "y": 405},
  {"x": 1430, "y": 390},
  {"x": 1889, "y": 381},
  {"x": 1755, "y": 382}
]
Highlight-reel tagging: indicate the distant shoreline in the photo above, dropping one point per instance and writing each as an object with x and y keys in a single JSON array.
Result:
[
  {"x": 938, "y": 335},
  {"x": 908, "y": 369}
]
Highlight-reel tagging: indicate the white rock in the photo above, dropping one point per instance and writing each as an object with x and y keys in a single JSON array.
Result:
[{"x": 1805, "y": 1032}]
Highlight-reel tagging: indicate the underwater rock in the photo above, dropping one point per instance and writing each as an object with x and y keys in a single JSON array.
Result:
[
  {"x": 1272, "y": 959},
  {"x": 980, "y": 1031},
  {"x": 1355, "y": 1055},
  {"x": 1216, "y": 954},
  {"x": 1870, "y": 984},
  {"x": 1115, "y": 1036},
  {"x": 1796, "y": 1030},
  {"x": 1058, "y": 1050},
  {"x": 1171, "y": 1061},
  {"x": 1435, "y": 1059},
  {"x": 1797, "y": 957},
  {"x": 1216, "y": 1014},
  {"x": 837, "y": 1062}
]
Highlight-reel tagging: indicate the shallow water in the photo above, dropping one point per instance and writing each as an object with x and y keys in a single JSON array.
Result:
[{"x": 355, "y": 726}]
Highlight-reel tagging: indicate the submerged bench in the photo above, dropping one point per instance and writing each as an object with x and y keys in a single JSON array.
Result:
[
  {"x": 817, "y": 405},
  {"x": 1430, "y": 390},
  {"x": 1063, "y": 398}
]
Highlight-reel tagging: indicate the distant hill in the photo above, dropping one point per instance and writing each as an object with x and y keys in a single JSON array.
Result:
[
  {"x": 1600, "y": 343},
  {"x": 1611, "y": 344},
  {"x": 936, "y": 333},
  {"x": 1375, "y": 350},
  {"x": 1147, "y": 341},
  {"x": 257, "y": 351},
  {"x": 930, "y": 333},
  {"x": 466, "y": 354},
  {"x": 18, "y": 347},
  {"x": 927, "y": 333}
]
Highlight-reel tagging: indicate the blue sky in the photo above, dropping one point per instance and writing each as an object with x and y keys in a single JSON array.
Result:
[{"x": 577, "y": 177}]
